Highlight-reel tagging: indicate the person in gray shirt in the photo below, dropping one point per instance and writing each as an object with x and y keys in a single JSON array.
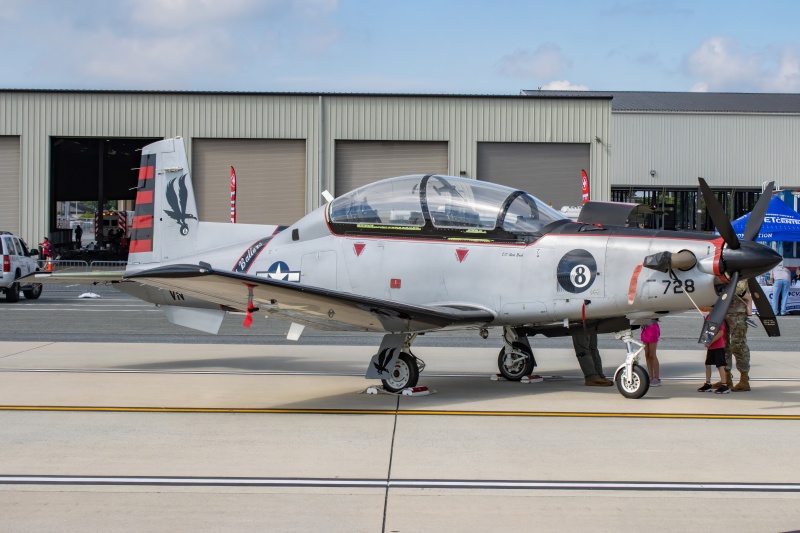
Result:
[{"x": 781, "y": 279}]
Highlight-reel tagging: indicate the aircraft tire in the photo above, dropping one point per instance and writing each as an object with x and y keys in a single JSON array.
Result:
[
  {"x": 12, "y": 293},
  {"x": 34, "y": 292},
  {"x": 517, "y": 368},
  {"x": 638, "y": 386},
  {"x": 404, "y": 375}
]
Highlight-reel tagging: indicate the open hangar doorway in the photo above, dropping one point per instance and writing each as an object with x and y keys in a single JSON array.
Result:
[{"x": 92, "y": 184}]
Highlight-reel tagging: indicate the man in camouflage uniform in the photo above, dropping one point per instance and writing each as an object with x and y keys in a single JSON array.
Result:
[{"x": 736, "y": 341}]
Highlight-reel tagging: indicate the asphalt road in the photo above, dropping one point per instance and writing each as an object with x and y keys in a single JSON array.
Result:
[{"x": 61, "y": 316}]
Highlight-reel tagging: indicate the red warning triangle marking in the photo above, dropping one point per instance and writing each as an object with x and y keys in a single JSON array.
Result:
[
  {"x": 359, "y": 247},
  {"x": 461, "y": 254}
]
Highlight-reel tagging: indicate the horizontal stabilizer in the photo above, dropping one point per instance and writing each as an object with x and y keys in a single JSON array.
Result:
[{"x": 73, "y": 278}]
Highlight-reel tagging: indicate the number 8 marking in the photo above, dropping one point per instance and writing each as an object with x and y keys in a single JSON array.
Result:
[{"x": 578, "y": 276}]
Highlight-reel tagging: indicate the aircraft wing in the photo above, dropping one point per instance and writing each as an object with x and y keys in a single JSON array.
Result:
[
  {"x": 73, "y": 278},
  {"x": 320, "y": 308}
]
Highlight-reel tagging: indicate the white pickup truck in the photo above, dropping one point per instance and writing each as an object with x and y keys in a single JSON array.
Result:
[{"x": 18, "y": 261}]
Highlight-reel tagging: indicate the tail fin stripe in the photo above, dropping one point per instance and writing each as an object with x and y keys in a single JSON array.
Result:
[
  {"x": 144, "y": 197},
  {"x": 146, "y": 173},
  {"x": 141, "y": 245}
]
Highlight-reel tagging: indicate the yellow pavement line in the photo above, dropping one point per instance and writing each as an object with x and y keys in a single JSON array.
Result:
[{"x": 404, "y": 412}]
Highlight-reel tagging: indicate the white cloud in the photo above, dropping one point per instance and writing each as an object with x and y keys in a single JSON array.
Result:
[
  {"x": 192, "y": 13},
  {"x": 786, "y": 77},
  {"x": 563, "y": 85},
  {"x": 719, "y": 64},
  {"x": 545, "y": 62}
]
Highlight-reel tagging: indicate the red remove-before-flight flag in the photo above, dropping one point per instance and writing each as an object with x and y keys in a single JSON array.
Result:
[
  {"x": 233, "y": 196},
  {"x": 585, "y": 186}
]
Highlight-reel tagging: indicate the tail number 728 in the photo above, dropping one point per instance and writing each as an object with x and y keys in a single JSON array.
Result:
[{"x": 678, "y": 286}]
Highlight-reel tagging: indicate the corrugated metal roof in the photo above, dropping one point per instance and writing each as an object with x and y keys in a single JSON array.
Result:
[
  {"x": 687, "y": 102},
  {"x": 556, "y": 94}
]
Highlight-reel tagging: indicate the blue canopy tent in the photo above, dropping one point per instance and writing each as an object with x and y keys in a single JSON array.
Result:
[{"x": 781, "y": 223}]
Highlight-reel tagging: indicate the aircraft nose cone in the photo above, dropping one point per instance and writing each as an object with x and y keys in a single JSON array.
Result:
[{"x": 751, "y": 259}]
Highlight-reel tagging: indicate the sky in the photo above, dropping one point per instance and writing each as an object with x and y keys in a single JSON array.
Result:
[{"x": 494, "y": 47}]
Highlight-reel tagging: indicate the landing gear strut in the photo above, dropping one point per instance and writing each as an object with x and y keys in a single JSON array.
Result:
[
  {"x": 515, "y": 359},
  {"x": 394, "y": 364},
  {"x": 631, "y": 378}
]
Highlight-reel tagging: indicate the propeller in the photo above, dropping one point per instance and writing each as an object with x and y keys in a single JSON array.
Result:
[
  {"x": 717, "y": 316},
  {"x": 765, "y": 312},
  {"x": 744, "y": 259}
]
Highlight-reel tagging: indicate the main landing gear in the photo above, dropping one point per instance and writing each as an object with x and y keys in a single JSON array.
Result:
[
  {"x": 515, "y": 359},
  {"x": 394, "y": 364},
  {"x": 631, "y": 378}
]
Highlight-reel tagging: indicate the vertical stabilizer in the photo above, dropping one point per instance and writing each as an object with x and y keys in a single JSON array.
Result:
[{"x": 165, "y": 222}]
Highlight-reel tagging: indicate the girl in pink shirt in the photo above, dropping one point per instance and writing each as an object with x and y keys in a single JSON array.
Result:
[{"x": 715, "y": 355}]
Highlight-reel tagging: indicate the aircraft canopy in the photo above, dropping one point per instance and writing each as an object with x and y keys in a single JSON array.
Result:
[{"x": 446, "y": 202}]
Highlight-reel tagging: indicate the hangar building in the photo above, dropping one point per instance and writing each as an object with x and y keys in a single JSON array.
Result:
[{"x": 58, "y": 147}]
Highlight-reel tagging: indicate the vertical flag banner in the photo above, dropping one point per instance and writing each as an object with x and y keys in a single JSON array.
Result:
[
  {"x": 584, "y": 186},
  {"x": 233, "y": 196}
]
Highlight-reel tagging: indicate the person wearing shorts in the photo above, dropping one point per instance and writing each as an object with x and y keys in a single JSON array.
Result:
[
  {"x": 715, "y": 356},
  {"x": 650, "y": 334}
]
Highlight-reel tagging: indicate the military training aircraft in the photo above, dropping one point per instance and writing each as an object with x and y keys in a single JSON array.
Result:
[{"x": 420, "y": 253}]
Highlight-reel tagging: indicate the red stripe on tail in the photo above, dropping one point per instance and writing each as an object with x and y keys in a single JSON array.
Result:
[
  {"x": 141, "y": 245},
  {"x": 146, "y": 173},
  {"x": 144, "y": 197}
]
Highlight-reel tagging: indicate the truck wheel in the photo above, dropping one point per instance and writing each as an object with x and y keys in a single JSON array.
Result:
[
  {"x": 34, "y": 292},
  {"x": 12, "y": 293}
]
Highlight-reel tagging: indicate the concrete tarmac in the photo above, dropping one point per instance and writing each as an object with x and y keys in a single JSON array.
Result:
[{"x": 188, "y": 437}]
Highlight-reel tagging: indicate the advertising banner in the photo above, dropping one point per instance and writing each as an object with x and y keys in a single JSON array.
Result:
[{"x": 792, "y": 303}]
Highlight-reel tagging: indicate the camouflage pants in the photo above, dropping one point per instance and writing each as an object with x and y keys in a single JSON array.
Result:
[
  {"x": 736, "y": 342},
  {"x": 588, "y": 355}
]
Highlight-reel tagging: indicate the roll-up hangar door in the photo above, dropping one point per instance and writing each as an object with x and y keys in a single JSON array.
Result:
[
  {"x": 362, "y": 162},
  {"x": 270, "y": 179},
  {"x": 549, "y": 171},
  {"x": 9, "y": 184}
]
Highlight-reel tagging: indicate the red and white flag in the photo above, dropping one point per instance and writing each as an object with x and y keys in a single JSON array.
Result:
[
  {"x": 584, "y": 186},
  {"x": 233, "y": 196}
]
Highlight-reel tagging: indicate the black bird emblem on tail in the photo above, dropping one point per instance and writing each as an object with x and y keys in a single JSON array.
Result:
[
  {"x": 384, "y": 357},
  {"x": 177, "y": 201}
]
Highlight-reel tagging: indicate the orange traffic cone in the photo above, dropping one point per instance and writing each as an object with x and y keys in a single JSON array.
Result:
[{"x": 49, "y": 265}]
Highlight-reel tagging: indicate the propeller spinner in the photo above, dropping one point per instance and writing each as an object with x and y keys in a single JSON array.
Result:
[{"x": 741, "y": 259}]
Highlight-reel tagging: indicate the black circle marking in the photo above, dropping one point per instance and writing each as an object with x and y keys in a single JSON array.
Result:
[{"x": 576, "y": 271}]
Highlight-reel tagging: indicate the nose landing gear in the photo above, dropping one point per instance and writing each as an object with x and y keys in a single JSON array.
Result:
[{"x": 631, "y": 378}]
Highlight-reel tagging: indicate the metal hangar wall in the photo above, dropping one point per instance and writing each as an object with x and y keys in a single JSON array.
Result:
[{"x": 289, "y": 147}]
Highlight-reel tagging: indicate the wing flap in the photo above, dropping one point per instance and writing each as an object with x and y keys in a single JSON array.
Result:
[{"x": 323, "y": 308}]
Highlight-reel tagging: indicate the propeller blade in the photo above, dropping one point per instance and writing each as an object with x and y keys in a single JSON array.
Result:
[
  {"x": 765, "y": 312},
  {"x": 757, "y": 214},
  {"x": 718, "y": 216},
  {"x": 717, "y": 316}
]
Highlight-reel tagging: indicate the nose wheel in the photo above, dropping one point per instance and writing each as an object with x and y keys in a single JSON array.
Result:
[
  {"x": 631, "y": 379},
  {"x": 634, "y": 386}
]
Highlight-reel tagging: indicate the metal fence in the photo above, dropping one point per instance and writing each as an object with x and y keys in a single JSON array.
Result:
[{"x": 65, "y": 265}]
